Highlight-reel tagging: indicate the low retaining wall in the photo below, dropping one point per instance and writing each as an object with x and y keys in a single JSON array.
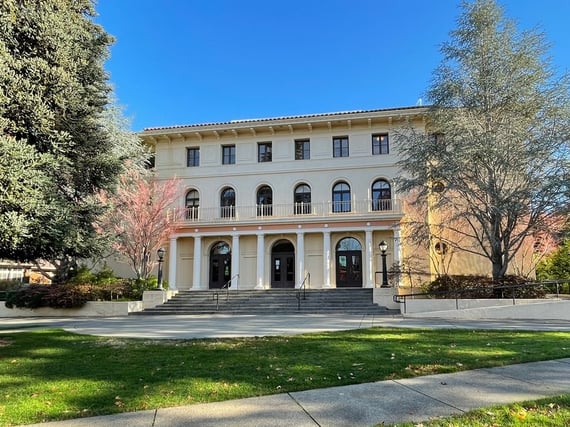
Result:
[
  {"x": 153, "y": 298},
  {"x": 431, "y": 305},
  {"x": 524, "y": 309},
  {"x": 93, "y": 308},
  {"x": 90, "y": 309},
  {"x": 384, "y": 297}
]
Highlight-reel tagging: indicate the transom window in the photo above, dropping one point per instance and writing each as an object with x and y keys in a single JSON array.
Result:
[
  {"x": 192, "y": 156},
  {"x": 380, "y": 144},
  {"x": 228, "y": 203},
  {"x": 340, "y": 146},
  {"x": 341, "y": 197},
  {"x": 302, "y": 198},
  {"x": 302, "y": 149},
  {"x": 228, "y": 154},
  {"x": 264, "y": 152},
  {"x": 381, "y": 196},
  {"x": 349, "y": 244},
  {"x": 192, "y": 204},
  {"x": 220, "y": 248}
]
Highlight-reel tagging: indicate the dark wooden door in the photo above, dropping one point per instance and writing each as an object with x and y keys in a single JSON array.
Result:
[
  {"x": 283, "y": 270},
  {"x": 348, "y": 269},
  {"x": 220, "y": 270}
]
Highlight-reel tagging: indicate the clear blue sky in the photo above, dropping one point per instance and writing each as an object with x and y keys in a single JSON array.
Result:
[{"x": 178, "y": 62}]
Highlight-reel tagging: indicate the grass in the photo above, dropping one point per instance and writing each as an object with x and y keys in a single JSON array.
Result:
[
  {"x": 50, "y": 375},
  {"x": 552, "y": 411}
]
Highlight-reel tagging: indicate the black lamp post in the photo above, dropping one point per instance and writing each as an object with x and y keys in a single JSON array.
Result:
[
  {"x": 160, "y": 254},
  {"x": 383, "y": 247}
]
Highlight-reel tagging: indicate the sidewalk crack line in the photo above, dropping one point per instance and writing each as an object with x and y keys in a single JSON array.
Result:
[{"x": 303, "y": 409}]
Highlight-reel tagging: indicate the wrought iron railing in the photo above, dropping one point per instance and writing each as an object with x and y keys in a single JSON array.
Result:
[
  {"x": 306, "y": 283},
  {"x": 496, "y": 291},
  {"x": 226, "y": 287}
]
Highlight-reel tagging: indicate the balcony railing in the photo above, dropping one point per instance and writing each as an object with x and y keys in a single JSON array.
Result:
[{"x": 293, "y": 210}]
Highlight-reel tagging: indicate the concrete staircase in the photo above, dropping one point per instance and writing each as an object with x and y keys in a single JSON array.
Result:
[{"x": 271, "y": 301}]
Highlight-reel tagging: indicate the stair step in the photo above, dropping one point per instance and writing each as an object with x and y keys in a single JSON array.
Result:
[{"x": 271, "y": 301}]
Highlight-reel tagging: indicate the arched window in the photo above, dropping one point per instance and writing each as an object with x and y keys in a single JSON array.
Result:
[
  {"x": 265, "y": 201},
  {"x": 302, "y": 199},
  {"x": 228, "y": 203},
  {"x": 381, "y": 196},
  {"x": 349, "y": 244},
  {"x": 341, "y": 197},
  {"x": 220, "y": 248},
  {"x": 192, "y": 204}
]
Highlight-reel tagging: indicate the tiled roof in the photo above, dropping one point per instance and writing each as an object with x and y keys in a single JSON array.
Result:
[{"x": 270, "y": 119}]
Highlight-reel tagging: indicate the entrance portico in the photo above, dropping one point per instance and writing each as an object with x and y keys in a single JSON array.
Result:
[{"x": 279, "y": 257}]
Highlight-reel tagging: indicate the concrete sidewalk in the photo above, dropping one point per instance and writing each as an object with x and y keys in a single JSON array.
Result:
[
  {"x": 228, "y": 326},
  {"x": 414, "y": 399}
]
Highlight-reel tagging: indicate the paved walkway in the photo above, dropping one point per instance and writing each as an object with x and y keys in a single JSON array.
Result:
[
  {"x": 227, "y": 326},
  {"x": 413, "y": 399}
]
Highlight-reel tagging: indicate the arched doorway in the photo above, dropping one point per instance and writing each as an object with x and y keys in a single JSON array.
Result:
[
  {"x": 220, "y": 265},
  {"x": 348, "y": 263},
  {"x": 283, "y": 265}
]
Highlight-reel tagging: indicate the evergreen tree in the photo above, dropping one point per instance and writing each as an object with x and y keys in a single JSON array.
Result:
[
  {"x": 496, "y": 151},
  {"x": 556, "y": 265},
  {"x": 59, "y": 140}
]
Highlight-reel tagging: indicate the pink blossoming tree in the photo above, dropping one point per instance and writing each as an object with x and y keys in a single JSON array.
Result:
[{"x": 141, "y": 217}]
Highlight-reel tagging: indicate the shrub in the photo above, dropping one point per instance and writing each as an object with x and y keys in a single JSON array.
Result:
[
  {"x": 138, "y": 286},
  {"x": 8, "y": 284},
  {"x": 463, "y": 286},
  {"x": 68, "y": 296},
  {"x": 33, "y": 296},
  {"x": 84, "y": 286}
]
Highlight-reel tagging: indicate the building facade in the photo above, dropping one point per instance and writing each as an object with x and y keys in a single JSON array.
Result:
[{"x": 265, "y": 203}]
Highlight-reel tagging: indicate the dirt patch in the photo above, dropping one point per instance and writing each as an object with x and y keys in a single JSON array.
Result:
[{"x": 5, "y": 343}]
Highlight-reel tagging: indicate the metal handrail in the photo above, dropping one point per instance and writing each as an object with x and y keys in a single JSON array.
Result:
[
  {"x": 306, "y": 280},
  {"x": 401, "y": 299},
  {"x": 227, "y": 286}
]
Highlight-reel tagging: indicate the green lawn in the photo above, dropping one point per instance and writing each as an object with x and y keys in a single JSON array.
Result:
[
  {"x": 52, "y": 374},
  {"x": 553, "y": 411}
]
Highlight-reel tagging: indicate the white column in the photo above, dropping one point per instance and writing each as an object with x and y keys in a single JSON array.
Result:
[
  {"x": 172, "y": 259},
  {"x": 326, "y": 259},
  {"x": 397, "y": 246},
  {"x": 369, "y": 257},
  {"x": 260, "y": 260},
  {"x": 235, "y": 262},
  {"x": 300, "y": 258},
  {"x": 397, "y": 254},
  {"x": 197, "y": 262}
]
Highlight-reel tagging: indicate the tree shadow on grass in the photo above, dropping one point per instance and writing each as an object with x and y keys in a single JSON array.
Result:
[{"x": 63, "y": 375}]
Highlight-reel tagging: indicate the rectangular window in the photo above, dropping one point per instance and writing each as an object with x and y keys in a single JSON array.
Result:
[
  {"x": 228, "y": 154},
  {"x": 380, "y": 144},
  {"x": 264, "y": 152},
  {"x": 302, "y": 149},
  {"x": 192, "y": 156},
  {"x": 340, "y": 146}
]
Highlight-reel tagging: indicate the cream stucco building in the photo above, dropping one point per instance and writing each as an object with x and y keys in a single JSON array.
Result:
[{"x": 267, "y": 201}]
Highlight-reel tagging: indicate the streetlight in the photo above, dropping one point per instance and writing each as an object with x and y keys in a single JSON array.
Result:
[
  {"x": 160, "y": 254},
  {"x": 383, "y": 246}
]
